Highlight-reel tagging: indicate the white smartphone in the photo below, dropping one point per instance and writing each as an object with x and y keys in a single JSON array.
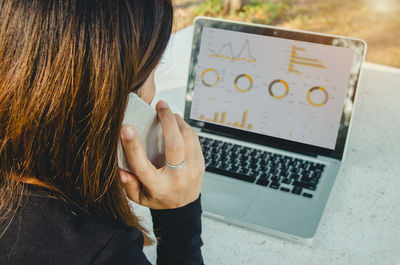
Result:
[{"x": 144, "y": 118}]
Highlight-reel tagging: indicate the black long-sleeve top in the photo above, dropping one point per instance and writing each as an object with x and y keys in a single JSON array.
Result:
[{"x": 46, "y": 230}]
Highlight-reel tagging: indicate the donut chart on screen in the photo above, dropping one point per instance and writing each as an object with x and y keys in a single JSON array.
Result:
[
  {"x": 243, "y": 89},
  {"x": 208, "y": 75}
]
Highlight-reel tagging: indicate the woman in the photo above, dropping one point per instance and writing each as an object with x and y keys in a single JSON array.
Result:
[{"x": 66, "y": 70}]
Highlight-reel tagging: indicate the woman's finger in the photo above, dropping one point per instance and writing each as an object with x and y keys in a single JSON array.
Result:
[
  {"x": 137, "y": 158},
  {"x": 187, "y": 135},
  {"x": 190, "y": 136},
  {"x": 194, "y": 154},
  {"x": 131, "y": 185},
  {"x": 174, "y": 144},
  {"x": 197, "y": 145}
]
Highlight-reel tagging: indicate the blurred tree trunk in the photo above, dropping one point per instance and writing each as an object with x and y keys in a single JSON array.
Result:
[{"x": 232, "y": 5}]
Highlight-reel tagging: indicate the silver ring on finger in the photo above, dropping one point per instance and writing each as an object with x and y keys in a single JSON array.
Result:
[{"x": 176, "y": 167}]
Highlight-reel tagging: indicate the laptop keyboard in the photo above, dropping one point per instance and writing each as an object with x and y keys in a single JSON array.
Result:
[{"x": 275, "y": 171}]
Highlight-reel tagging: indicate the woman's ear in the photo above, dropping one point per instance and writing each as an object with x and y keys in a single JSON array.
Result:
[{"x": 148, "y": 90}]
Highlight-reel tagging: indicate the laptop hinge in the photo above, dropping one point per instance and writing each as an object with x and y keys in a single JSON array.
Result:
[{"x": 329, "y": 159}]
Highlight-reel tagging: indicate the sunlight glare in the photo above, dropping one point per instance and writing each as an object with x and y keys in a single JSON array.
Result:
[{"x": 382, "y": 6}]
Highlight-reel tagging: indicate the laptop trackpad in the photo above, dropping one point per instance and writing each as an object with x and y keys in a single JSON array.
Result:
[{"x": 219, "y": 196}]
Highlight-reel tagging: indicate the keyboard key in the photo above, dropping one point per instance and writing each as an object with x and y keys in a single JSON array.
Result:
[
  {"x": 244, "y": 171},
  {"x": 312, "y": 180},
  {"x": 235, "y": 148},
  {"x": 308, "y": 195},
  {"x": 213, "y": 163},
  {"x": 244, "y": 151},
  {"x": 286, "y": 180},
  {"x": 285, "y": 189},
  {"x": 254, "y": 160},
  {"x": 317, "y": 174},
  {"x": 234, "y": 168},
  {"x": 305, "y": 185},
  {"x": 254, "y": 173},
  {"x": 243, "y": 164},
  {"x": 305, "y": 178},
  {"x": 262, "y": 182},
  {"x": 223, "y": 165},
  {"x": 275, "y": 178},
  {"x": 297, "y": 190},
  {"x": 230, "y": 174},
  {"x": 274, "y": 185}
]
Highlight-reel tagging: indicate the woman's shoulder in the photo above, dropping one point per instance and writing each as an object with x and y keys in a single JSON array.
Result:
[{"x": 53, "y": 231}]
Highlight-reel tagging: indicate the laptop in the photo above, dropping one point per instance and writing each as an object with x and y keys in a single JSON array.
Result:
[{"x": 272, "y": 108}]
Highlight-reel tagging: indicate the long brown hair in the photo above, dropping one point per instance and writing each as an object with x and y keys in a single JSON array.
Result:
[{"x": 66, "y": 68}]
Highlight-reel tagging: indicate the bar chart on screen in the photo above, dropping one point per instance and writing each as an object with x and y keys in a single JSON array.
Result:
[
  {"x": 222, "y": 119},
  {"x": 297, "y": 59}
]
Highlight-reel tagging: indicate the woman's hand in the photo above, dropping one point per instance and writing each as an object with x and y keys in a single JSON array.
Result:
[{"x": 164, "y": 188}]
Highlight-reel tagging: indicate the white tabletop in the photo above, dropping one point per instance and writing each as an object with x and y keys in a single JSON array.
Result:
[{"x": 361, "y": 222}]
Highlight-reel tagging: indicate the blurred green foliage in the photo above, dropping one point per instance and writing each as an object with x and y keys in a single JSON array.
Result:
[{"x": 266, "y": 12}]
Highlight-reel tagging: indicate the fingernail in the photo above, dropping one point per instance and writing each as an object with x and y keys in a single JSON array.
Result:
[
  {"x": 127, "y": 133},
  {"x": 162, "y": 105}
]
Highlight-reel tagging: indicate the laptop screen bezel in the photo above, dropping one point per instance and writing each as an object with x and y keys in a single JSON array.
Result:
[{"x": 359, "y": 46}]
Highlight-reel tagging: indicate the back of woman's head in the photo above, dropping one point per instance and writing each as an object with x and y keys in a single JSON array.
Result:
[{"x": 66, "y": 68}]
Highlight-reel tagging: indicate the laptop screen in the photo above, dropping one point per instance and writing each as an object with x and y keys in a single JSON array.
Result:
[{"x": 286, "y": 88}]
